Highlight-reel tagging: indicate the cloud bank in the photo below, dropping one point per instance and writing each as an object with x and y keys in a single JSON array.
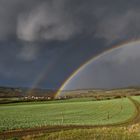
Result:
[
  {"x": 65, "y": 19},
  {"x": 36, "y": 33}
]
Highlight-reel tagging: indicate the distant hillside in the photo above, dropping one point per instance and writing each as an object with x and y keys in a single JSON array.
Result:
[
  {"x": 101, "y": 92},
  {"x": 23, "y": 92},
  {"x": 7, "y": 92}
]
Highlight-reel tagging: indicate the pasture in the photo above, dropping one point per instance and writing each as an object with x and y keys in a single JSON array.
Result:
[
  {"x": 89, "y": 134},
  {"x": 67, "y": 112}
]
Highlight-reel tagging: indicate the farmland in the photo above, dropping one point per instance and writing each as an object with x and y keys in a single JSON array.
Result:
[
  {"x": 137, "y": 98},
  {"x": 90, "y": 134},
  {"x": 73, "y": 117},
  {"x": 74, "y": 112}
]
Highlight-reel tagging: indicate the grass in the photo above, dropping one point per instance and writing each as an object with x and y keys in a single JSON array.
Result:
[
  {"x": 20, "y": 101},
  {"x": 67, "y": 112},
  {"x": 90, "y": 134},
  {"x": 137, "y": 98},
  {"x": 50, "y": 102}
]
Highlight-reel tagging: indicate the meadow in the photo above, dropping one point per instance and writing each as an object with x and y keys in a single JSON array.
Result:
[
  {"x": 89, "y": 134},
  {"x": 83, "y": 111},
  {"x": 137, "y": 98}
]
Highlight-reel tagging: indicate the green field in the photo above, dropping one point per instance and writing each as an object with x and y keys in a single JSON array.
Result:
[
  {"x": 87, "y": 134},
  {"x": 137, "y": 98},
  {"x": 68, "y": 112}
]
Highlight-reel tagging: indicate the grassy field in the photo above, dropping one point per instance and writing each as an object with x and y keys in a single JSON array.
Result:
[
  {"x": 67, "y": 112},
  {"x": 87, "y": 134},
  {"x": 137, "y": 98}
]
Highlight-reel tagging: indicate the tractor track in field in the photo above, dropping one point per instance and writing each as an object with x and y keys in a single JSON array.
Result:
[
  {"x": 136, "y": 119},
  {"x": 50, "y": 129}
]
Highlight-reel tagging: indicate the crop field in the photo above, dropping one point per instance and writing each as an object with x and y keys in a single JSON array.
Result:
[
  {"x": 137, "y": 98},
  {"x": 67, "y": 112},
  {"x": 89, "y": 134}
]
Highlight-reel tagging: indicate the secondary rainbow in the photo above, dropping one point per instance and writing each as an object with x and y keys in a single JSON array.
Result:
[{"x": 133, "y": 42}]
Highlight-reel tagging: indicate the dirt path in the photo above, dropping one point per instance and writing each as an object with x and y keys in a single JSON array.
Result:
[
  {"x": 51, "y": 129},
  {"x": 137, "y": 116}
]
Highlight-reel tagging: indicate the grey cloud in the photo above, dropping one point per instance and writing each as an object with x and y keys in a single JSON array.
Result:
[
  {"x": 46, "y": 22},
  {"x": 127, "y": 55},
  {"x": 119, "y": 27},
  {"x": 9, "y": 12},
  {"x": 55, "y": 31},
  {"x": 28, "y": 52},
  {"x": 62, "y": 20}
]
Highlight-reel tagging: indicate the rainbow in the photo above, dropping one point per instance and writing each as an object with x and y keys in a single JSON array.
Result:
[{"x": 132, "y": 42}]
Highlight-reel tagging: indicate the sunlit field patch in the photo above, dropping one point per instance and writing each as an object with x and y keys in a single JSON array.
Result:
[{"x": 78, "y": 112}]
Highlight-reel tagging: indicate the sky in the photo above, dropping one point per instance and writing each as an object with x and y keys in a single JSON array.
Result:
[
  {"x": 115, "y": 68},
  {"x": 42, "y": 42}
]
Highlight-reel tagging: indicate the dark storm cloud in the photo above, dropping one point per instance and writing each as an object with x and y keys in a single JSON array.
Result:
[
  {"x": 65, "y": 19},
  {"x": 35, "y": 20},
  {"x": 16, "y": 72},
  {"x": 61, "y": 34}
]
